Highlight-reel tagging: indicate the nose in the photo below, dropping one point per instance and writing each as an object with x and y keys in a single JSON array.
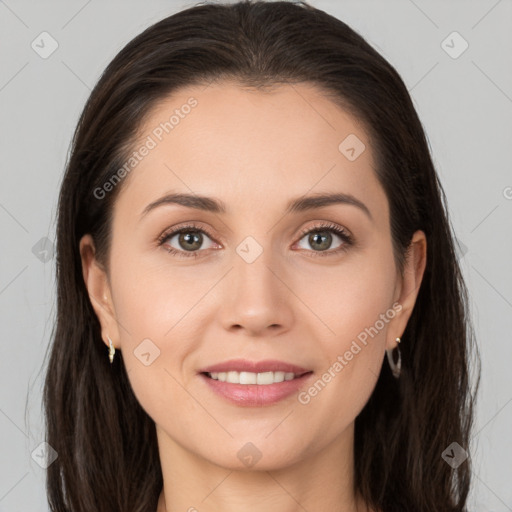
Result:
[{"x": 257, "y": 297}]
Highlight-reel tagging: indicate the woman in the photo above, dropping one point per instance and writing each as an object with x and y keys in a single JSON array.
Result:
[{"x": 251, "y": 223}]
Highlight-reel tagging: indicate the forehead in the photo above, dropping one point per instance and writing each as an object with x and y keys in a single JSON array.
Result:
[{"x": 251, "y": 147}]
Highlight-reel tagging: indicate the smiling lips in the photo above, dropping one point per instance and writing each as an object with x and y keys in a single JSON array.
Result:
[
  {"x": 243, "y": 371},
  {"x": 250, "y": 383}
]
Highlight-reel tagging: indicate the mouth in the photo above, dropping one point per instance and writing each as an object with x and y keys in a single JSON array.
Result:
[{"x": 260, "y": 379}]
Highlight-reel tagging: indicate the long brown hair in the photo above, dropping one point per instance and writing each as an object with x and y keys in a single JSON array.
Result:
[{"x": 106, "y": 443}]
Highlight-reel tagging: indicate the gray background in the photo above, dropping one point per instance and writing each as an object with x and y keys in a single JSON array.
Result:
[{"x": 465, "y": 105}]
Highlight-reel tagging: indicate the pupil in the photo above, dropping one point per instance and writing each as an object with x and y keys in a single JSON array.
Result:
[
  {"x": 322, "y": 238},
  {"x": 189, "y": 239}
]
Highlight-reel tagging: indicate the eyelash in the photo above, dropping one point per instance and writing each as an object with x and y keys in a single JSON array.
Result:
[{"x": 342, "y": 233}]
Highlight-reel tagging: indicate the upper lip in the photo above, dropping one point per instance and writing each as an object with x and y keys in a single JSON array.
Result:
[{"x": 244, "y": 365}]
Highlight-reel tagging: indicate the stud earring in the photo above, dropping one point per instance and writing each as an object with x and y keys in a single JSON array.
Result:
[
  {"x": 396, "y": 367},
  {"x": 111, "y": 350}
]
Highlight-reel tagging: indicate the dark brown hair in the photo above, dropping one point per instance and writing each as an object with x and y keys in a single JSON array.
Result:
[{"x": 107, "y": 448}]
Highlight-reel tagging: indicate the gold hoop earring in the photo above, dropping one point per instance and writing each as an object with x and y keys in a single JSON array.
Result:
[{"x": 396, "y": 367}]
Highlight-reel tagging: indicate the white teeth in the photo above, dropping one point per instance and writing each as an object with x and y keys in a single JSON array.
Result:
[{"x": 252, "y": 378}]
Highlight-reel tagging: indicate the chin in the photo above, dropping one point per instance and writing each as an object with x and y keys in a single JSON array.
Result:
[{"x": 255, "y": 457}]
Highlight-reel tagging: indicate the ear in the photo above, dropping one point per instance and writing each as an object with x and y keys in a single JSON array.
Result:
[
  {"x": 409, "y": 286},
  {"x": 98, "y": 288}
]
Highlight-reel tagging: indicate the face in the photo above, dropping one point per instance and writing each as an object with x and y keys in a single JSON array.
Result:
[{"x": 313, "y": 287}]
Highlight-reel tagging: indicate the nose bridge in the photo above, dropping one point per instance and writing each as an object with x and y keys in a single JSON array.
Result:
[
  {"x": 252, "y": 268},
  {"x": 257, "y": 295},
  {"x": 253, "y": 262}
]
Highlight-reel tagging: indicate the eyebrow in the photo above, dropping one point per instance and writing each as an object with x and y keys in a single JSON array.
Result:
[{"x": 300, "y": 204}]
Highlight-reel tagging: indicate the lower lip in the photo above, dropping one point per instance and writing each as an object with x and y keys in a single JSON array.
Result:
[{"x": 256, "y": 395}]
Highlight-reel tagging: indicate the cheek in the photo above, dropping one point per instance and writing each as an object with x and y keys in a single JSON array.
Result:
[
  {"x": 351, "y": 296},
  {"x": 355, "y": 306},
  {"x": 150, "y": 296},
  {"x": 151, "y": 312},
  {"x": 156, "y": 344}
]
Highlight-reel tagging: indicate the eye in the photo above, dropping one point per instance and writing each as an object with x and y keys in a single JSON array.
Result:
[
  {"x": 321, "y": 237},
  {"x": 189, "y": 240}
]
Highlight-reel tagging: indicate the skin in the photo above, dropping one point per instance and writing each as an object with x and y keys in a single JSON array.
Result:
[{"x": 254, "y": 151}]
